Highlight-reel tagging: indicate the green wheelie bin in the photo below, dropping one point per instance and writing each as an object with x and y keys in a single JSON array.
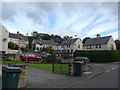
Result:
[
  {"x": 10, "y": 77},
  {"x": 77, "y": 68}
]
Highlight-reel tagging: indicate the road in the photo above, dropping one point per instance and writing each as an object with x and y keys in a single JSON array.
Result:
[
  {"x": 99, "y": 76},
  {"x": 109, "y": 79}
]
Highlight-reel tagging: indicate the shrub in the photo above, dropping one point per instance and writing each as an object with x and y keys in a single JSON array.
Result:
[
  {"x": 24, "y": 49},
  {"x": 100, "y": 55}
]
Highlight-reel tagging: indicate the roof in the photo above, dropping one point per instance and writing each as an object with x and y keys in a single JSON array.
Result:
[
  {"x": 95, "y": 41},
  {"x": 21, "y": 37},
  {"x": 69, "y": 41},
  {"x": 48, "y": 42}
]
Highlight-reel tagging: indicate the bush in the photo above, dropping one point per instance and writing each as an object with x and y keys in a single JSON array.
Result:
[
  {"x": 24, "y": 49},
  {"x": 100, "y": 55}
]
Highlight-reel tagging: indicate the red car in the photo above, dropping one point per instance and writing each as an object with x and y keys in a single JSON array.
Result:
[{"x": 27, "y": 57}]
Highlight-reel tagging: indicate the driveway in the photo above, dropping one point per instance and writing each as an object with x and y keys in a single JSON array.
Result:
[{"x": 38, "y": 78}]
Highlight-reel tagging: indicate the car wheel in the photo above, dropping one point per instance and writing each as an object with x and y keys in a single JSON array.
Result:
[
  {"x": 39, "y": 60},
  {"x": 26, "y": 60}
]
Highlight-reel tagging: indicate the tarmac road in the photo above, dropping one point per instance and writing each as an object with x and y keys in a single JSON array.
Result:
[
  {"x": 108, "y": 79},
  {"x": 37, "y": 78}
]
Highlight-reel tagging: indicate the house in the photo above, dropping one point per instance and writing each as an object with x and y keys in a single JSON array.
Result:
[
  {"x": 19, "y": 39},
  {"x": 40, "y": 44},
  {"x": 4, "y": 34},
  {"x": 70, "y": 45},
  {"x": 100, "y": 43}
]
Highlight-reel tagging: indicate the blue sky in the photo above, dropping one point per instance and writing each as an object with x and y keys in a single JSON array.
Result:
[{"x": 84, "y": 19}]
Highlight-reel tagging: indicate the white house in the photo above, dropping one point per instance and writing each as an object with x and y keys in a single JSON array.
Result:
[
  {"x": 100, "y": 43},
  {"x": 18, "y": 39},
  {"x": 70, "y": 45},
  {"x": 40, "y": 44},
  {"x": 4, "y": 35}
]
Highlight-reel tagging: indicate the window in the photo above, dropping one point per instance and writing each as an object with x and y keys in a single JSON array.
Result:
[
  {"x": 68, "y": 45},
  {"x": 96, "y": 46},
  {"x": 78, "y": 46},
  {"x": 99, "y": 46},
  {"x": 90, "y": 47},
  {"x": 87, "y": 47}
]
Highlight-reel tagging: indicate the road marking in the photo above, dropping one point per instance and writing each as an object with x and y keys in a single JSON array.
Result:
[
  {"x": 108, "y": 71},
  {"x": 87, "y": 72},
  {"x": 113, "y": 68}
]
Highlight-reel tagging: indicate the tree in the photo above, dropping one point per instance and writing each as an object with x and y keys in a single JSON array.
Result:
[
  {"x": 85, "y": 39},
  {"x": 48, "y": 48},
  {"x": 46, "y": 37},
  {"x": 11, "y": 45},
  {"x": 30, "y": 38},
  {"x": 35, "y": 34},
  {"x": 66, "y": 37},
  {"x": 16, "y": 47}
]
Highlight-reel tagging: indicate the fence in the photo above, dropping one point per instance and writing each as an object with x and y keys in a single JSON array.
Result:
[{"x": 63, "y": 68}]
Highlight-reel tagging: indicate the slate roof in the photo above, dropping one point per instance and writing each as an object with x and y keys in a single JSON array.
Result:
[
  {"x": 48, "y": 42},
  {"x": 69, "y": 41},
  {"x": 20, "y": 37},
  {"x": 96, "y": 41}
]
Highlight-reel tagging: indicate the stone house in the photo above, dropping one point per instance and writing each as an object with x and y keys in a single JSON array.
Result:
[{"x": 100, "y": 43}]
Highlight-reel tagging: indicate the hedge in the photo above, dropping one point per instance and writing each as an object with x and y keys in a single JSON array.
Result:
[{"x": 99, "y": 55}]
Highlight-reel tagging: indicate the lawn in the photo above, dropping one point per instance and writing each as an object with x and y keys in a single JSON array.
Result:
[
  {"x": 60, "y": 68},
  {"x": 41, "y": 66}
]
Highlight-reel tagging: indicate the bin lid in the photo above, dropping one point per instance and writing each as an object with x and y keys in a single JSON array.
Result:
[
  {"x": 20, "y": 65},
  {"x": 78, "y": 62},
  {"x": 11, "y": 69}
]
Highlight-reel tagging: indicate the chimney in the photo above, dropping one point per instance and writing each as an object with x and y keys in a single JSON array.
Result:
[
  {"x": 98, "y": 35},
  {"x": 18, "y": 33}
]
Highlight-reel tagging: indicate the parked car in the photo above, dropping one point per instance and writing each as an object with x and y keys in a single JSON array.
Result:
[
  {"x": 37, "y": 51},
  {"x": 28, "y": 57},
  {"x": 85, "y": 60},
  {"x": 3, "y": 55},
  {"x": 45, "y": 55}
]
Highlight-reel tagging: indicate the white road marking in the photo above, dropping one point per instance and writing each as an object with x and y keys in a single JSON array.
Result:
[
  {"x": 108, "y": 71},
  {"x": 113, "y": 68},
  {"x": 87, "y": 72}
]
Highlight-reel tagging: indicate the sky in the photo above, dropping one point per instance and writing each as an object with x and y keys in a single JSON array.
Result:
[{"x": 84, "y": 19}]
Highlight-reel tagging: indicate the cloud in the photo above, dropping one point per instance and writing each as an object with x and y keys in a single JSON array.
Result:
[
  {"x": 61, "y": 18},
  {"x": 114, "y": 34}
]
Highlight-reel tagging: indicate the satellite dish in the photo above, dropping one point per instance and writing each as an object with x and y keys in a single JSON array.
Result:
[{"x": 4, "y": 39}]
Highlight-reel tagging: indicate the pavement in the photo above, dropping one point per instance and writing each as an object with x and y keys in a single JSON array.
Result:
[{"x": 38, "y": 78}]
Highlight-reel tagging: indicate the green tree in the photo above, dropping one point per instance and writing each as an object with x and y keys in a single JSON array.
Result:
[
  {"x": 11, "y": 45},
  {"x": 16, "y": 47},
  {"x": 46, "y": 37},
  {"x": 85, "y": 39},
  {"x": 48, "y": 48},
  {"x": 30, "y": 38},
  {"x": 117, "y": 44}
]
